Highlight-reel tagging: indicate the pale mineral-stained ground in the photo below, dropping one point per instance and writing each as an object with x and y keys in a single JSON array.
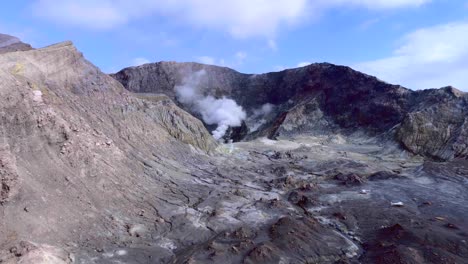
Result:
[{"x": 94, "y": 173}]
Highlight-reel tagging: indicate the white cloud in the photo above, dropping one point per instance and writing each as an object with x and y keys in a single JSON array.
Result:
[
  {"x": 303, "y": 64},
  {"x": 241, "y": 56},
  {"x": 237, "y": 60},
  {"x": 240, "y": 18},
  {"x": 428, "y": 58},
  {"x": 279, "y": 68},
  {"x": 379, "y": 4},
  {"x": 272, "y": 45},
  {"x": 369, "y": 23},
  {"x": 206, "y": 60},
  {"x": 139, "y": 61},
  {"x": 282, "y": 67},
  {"x": 88, "y": 14}
]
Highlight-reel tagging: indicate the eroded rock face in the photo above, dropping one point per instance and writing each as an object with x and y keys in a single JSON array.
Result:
[
  {"x": 323, "y": 99},
  {"x": 438, "y": 125},
  {"x": 8, "y": 174}
]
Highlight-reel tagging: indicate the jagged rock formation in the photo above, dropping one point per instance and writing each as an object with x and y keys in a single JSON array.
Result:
[
  {"x": 9, "y": 43},
  {"x": 325, "y": 99},
  {"x": 437, "y": 125}
]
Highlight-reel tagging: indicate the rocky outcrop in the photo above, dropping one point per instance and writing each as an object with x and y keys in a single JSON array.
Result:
[
  {"x": 80, "y": 156},
  {"x": 9, "y": 44},
  {"x": 322, "y": 99},
  {"x": 177, "y": 122},
  {"x": 8, "y": 174},
  {"x": 437, "y": 126},
  {"x": 26, "y": 252}
]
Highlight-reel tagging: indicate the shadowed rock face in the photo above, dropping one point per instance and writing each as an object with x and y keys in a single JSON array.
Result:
[
  {"x": 322, "y": 99},
  {"x": 351, "y": 99},
  {"x": 9, "y": 44}
]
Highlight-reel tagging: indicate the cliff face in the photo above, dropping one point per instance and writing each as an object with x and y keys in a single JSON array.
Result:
[
  {"x": 437, "y": 125},
  {"x": 322, "y": 99}
]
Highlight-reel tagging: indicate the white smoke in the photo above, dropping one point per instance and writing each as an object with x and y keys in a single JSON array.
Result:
[
  {"x": 264, "y": 110},
  {"x": 223, "y": 112},
  {"x": 256, "y": 120}
]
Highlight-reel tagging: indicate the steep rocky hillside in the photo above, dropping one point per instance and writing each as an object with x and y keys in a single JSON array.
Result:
[
  {"x": 323, "y": 99},
  {"x": 76, "y": 150}
]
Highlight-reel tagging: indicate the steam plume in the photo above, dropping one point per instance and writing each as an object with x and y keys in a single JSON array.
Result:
[
  {"x": 256, "y": 120},
  {"x": 223, "y": 112}
]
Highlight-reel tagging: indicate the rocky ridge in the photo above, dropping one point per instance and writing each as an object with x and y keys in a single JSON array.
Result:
[
  {"x": 322, "y": 99},
  {"x": 9, "y": 43}
]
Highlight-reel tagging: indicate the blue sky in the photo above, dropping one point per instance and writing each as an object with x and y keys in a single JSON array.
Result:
[{"x": 416, "y": 43}]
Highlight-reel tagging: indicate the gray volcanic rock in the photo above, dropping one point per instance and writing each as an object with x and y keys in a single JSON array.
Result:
[
  {"x": 322, "y": 99},
  {"x": 9, "y": 44},
  {"x": 437, "y": 125},
  {"x": 80, "y": 156},
  {"x": 350, "y": 98}
]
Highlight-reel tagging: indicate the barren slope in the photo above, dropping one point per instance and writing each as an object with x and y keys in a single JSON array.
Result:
[{"x": 81, "y": 157}]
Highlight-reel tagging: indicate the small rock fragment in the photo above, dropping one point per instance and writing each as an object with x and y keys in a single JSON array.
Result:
[
  {"x": 363, "y": 191},
  {"x": 349, "y": 179}
]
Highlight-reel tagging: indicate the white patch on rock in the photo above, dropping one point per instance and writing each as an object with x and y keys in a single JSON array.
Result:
[
  {"x": 195, "y": 218},
  {"x": 45, "y": 254},
  {"x": 166, "y": 244},
  {"x": 108, "y": 255},
  {"x": 121, "y": 252},
  {"x": 337, "y": 139},
  {"x": 423, "y": 180},
  {"x": 37, "y": 96},
  {"x": 137, "y": 230},
  {"x": 254, "y": 216},
  {"x": 268, "y": 141},
  {"x": 343, "y": 196}
]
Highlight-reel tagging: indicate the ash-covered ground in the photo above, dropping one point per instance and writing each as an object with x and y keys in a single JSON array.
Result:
[{"x": 312, "y": 200}]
